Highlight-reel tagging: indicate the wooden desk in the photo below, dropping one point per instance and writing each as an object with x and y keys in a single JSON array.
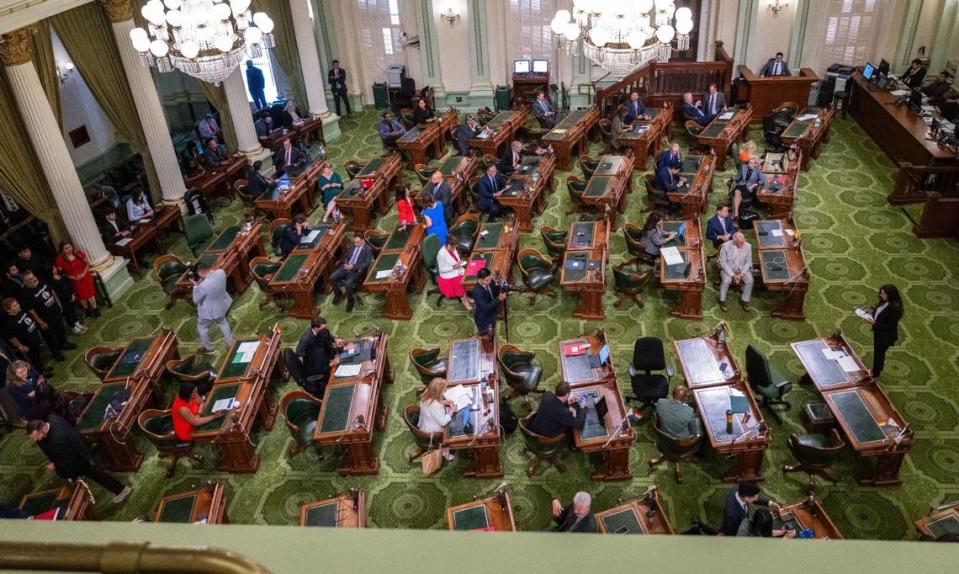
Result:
[
  {"x": 138, "y": 372},
  {"x": 274, "y": 139},
  {"x": 401, "y": 254},
  {"x": 247, "y": 378},
  {"x": 456, "y": 171},
  {"x": 206, "y": 505},
  {"x": 940, "y": 523},
  {"x": 469, "y": 364},
  {"x": 748, "y": 441},
  {"x": 525, "y": 87},
  {"x": 720, "y": 134},
  {"x": 73, "y": 501},
  {"x": 210, "y": 184},
  {"x": 783, "y": 265},
  {"x": 765, "y": 94},
  {"x": 305, "y": 265},
  {"x": 420, "y": 140},
  {"x": 310, "y": 131},
  {"x": 607, "y": 188},
  {"x": 578, "y": 370},
  {"x": 231, "y": 251},
  {"x": 783, "y": 187},
  {"x": 612, "y": 437},
  {"x": 809, "y": 514},
  {"x": 147, "y": 234},
  {"x": 690, "y": 278},
  {"x": 809, "y": 135},
  {"x": 874, "y": 429},
  {"x": 825, "y": 373},
  {"x": 705, "y": 363},
  {"x": 345, "y": 511},
  {"x": 698, "y": 171},
  {"x": 493, "y": 513},
  {"x": 526, "y": 190},
  {"x": 584, "y": 266},
  {"x": 568, "y": 137},
  {"x": 645, "y": 515},
  {"x": 294, "y": 196},
  {"x": 495, "y": 245},
  {"x": 360, "y": 203},
  {"x": 645, "y": 139},
  {"x": 504, "y": 126}
]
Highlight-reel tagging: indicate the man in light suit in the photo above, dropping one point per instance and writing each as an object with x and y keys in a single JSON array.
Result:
[
  {"x": 775, "y": 66},
  {"x": 748, "y": 181},
  {"x": 442, "y": 192},
  {"x": 635, "y": 110},
  {"x": 212, "y": 304},
  {"x": 491, "y": 187},
  {"x": 736, "y": 266},
  {"x": 351, "y": 273},
  {"x": 714, "y": 102},
  {"x": 543, "y": 111},
  {"x": 693, "y": 112}
]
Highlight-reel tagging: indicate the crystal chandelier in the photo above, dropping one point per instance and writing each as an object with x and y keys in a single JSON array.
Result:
[
  {"x": 206, "y": 39},
  {"x": 623, "y": 35}
]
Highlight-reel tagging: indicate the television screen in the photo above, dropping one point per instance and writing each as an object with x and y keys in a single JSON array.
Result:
[
  {"x": 520, "y": 66},
  {"x": 540, "y": 66},
  {"x": 868, "y": 72}
]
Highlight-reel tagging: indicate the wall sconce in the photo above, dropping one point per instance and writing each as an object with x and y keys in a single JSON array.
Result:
[
  {"x": 775, "y": 6},
  {"x": 449, "y": 17},
  {"x": 64, "y": 71}
]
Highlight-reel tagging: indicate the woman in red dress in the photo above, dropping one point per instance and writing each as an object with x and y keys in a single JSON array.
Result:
[
  {"x": 73, "y": 263},
  {"x": 404, "y": 205},
  {"x": 451, "y": 268}
]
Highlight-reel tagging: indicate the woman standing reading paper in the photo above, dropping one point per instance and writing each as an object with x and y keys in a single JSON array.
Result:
[{"x": 884, "y": 318}]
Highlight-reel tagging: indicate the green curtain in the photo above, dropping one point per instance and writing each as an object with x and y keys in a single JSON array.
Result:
[
  {"x": 88, "y": 37},
  {"x": 46, "y": 65},
  {"x": 286, "y": 52},
  {"x": 217, "y": 97},
  {"x": 20, "y": 174}
]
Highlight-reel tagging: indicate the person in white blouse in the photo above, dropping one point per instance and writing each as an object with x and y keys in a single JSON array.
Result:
[
  {"x": 452, "y": 267},
  {"x": 736, "y": 266},
  {"x": 138, "y": 207},
  {"x": 435, "y": 410}
]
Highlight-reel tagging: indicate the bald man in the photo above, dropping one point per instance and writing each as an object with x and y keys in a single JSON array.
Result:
[{"x": 736, "y": 267}]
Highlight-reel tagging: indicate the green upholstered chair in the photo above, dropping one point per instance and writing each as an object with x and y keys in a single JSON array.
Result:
[
  {"x": 424, "y": 441},
  {"x": 537, "y": 270},
  {"x": 194, "y": 369},
  {"x": 428, "y": 251},
  {"x": 376, "y": 239},
  {"x": 633, "y": 234},
  {"x": 815, "y": 453},
  {"x": 101, "y": 359},
  {"x": 405, "y": 117},
  {"x": 656, "y": 197},
  {"x": 628, "y": 284},
  {"x": 674, "y": 450},
  {"x": 277, "y": 226},
  {"x": 464, "y": 229},
  {"x": 429, "y": 363},
  {"x": 240, "y": 188},
  {"x": 693, "y": 129},
  {"x": 588, "y": 165},
  {"x": 474, "y": 195},
  {"x": 353, "y": 168},
  {"x": 157, "y": 426},
  {"x": 555, "y": 242},
  {"x": 263, "y": 269},
  {"x": 542, "y": 448},
  {"x": 167, "y": 270},
  {"x": 576, "y": 187},
  {"x": 768, "y": 386},
  {"x": 301, "y": 410},
  {"x": 487, "y": 160},
  {"x": 423, "y": 172},
  {"x": 198, "y": 232},
  {"x": 520, "y": 371}
]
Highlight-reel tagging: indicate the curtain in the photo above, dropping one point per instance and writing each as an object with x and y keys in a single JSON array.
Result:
[
  {"x": 21, "y": 176},
  {"x": 528, "y": 30},
  {"x": 88, "y": 38},
  {"x": 217, "y": 97},
  {"x": 286, "y": 52},
  {"x": 46, "y": 65}
]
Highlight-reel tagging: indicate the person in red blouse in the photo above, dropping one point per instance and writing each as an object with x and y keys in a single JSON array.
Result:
[
  {"x": 404, "y": 205},
  {"x": 72, "y": 262},
  {"x": 185, "y": 410}
]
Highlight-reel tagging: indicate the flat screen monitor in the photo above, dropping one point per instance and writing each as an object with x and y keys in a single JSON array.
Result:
[
  {"x": 882, "y": 80},
  {"x": 540, "y": 66},
  {"x": 884, "y": 67},
  {"x": 868, "y": 72},
  {"x": 520, "y": 66}
]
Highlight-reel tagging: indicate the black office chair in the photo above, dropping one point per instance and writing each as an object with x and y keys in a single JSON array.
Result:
[
  {"x": 674, "y": 450},
  {"x": 648, "y": 385},
  {"x": 768, "y": 387},
  {"x": 815, "y": 453}
]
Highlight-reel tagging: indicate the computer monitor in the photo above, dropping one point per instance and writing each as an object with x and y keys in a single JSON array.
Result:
[
  {"x": 868, "y": 72},
  {"x": 884, "y": 67},
  {"x": 915, "y": 99},
  {"x": 882, "y": 80},
  {"x": 603, "y": 354},
  {"x": 520, "y": 66},
  {"x": 540, "y": 66}
]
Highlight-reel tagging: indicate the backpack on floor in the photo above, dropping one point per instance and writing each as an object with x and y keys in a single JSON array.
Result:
[{"x": 507, "y": 419}]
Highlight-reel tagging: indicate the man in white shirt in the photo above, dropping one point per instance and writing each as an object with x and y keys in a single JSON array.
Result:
[{"x": 736, "y": 267}]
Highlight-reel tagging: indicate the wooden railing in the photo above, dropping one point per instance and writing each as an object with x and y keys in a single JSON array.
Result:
[
  {"x": 658, "y": 82},
  {"x": 915, "y": 182}
]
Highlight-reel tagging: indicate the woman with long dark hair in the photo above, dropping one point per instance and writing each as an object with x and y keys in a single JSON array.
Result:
[{"x": 884, "y": 318}]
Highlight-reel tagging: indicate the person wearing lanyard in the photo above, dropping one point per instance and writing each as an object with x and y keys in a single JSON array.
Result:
[{"x": 884, "y": 319}]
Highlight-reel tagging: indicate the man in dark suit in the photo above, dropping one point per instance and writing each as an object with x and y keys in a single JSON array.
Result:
[
  {"x": 351, "y": 273},
  {"x": 737, "y": 503},
  {"x": 289, "y": 160},
  {"x": 491, "y": 187},
  {"x": 293, "y": 233},
  {"x": 511, "y": 158},
  {"x": 441, "y": 191},
  {"x": 113, "y": 229},
  {"x": 914, "y": 75},
  {"x": 672, "y": 157},
  {"x": 257, "y": 185},
  {"x": 950, "y": 108},
  {"x": 465, "y": 132},
  {"x": 668, "y": 178},
  {"x": 558, "y": 413},
  {"x": 938, "y": 88},
  {"x": 319, "y": 350},
  {"x": 543, "y": 111},
  {"x": 576, "y": 517},
  {"x": 635, "y": 110},
  {"x": 69, "y": 455},
  {"x": 337, "y": 80},
  {"x": 263, "y": 126},
  {"x": 720, "y": 227},
  {"x": 775, "y": 66},
  {"x": 692, "y": 111},
  {"x": 486, "y": 300},
  {"x": 256, "y": 84},
  {"x": 714, "y": 102}
]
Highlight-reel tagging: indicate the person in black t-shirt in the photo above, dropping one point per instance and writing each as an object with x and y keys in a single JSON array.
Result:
[
  {"x": 12, "y": 283},
  {"x": 319, "y": 350},
  {"x": 68, "y": 299},
  {"x": 41, "y": 301},
  {"x": 27, "y": 260},
  {"x": 21, "y": 331}
]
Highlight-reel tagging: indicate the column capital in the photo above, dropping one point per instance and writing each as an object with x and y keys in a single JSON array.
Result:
[
  {"x": 15, "y": 48},
  {"x": 118, "y": 10}
]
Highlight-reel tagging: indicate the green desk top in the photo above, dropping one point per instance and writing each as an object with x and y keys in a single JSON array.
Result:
[
  {"x": 714, "y": 130},
  {"x": 370, "y": 168},
  {"x": 714, "y": 403},
  {"x": 582, "y": 235},
  {"x": 323, "y": 229},
  {"x": 383, "y": 262},
  {"x": 40, "y": 502},
  {"x": 691, "y": 164},
  {"x": 323, "y": 515},
  {"x": 178, "y": 510},
  {"x": 219, "y": 392},
  {"x": 410, "y": 135},
  {"x": 796, "y": 130},
  {"x": 699, "y": 362},
  {"x": 351, "y": 189},
  {"x": 857, "y": 416},
  {"x": 575, "y": 265},
  {"x": 490, "y": 239},
  {"x": 225, "y": 238},
  {"x": 449, "y": 165},
  {"x": 577, "y": 367},
  {"x": 679, "y": 271},
  {"x": 766, "y": 237},
  {"x": 93, "y": 415},
  {"x": 774, "y": 262},
  {"x": 336, "y": 415},
  {"x": 597, "y": 186},
  {"x": 472, "y": 518},
  {"x": 291, "y": 266},
  {"x": 398, "y": 239},
  {"x": 486, "y": 256},
  {"x": 131, "y": 358},
  {"x": 623, "y": 522},
  {"x": 464, "y": 361},
  {"x": 499, "y": 119},
  {"x": 572, "y": 117},
  {"x": 943, "y": 526},
  {"x": 234, "y": 365},
  {"x": 824, "y": 372}
]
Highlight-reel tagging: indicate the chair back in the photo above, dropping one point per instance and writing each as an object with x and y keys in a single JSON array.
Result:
[
  {"x": 675, "y": 449},
  {"x": 428, "y": 363},
  {"x": 648, "y": 355},
  {"x": 628, "y": 281},
  {"x": 509, "y": 357},
  {"x": 529, "y": 258},
  {"x": 101, "y": 359},
  {"x": 588, "y": 165},
  {"x": 634, "y": 239},
  {"x": 167, "y": 266},
  {"x": 816, "y": 450},
  {"x": 189, "y": 369},
  {"x": 157, "y": 425},
  {"x": 537, "y": 444},
  {"x": 423, "y": 172},
  {"x": 555, "y": 241},
  {"x": 197, "y": 229},
  {"x": 353, "y": 168},
  {"x": 301, "y": 411},
  {"x": 263, "y": 269},
  {"x": 757, "y": 368},
  {"x": 431, "y": 247},
  {"x": 240, "y": 188},
  {"x": 294, "y": 366},
  {"x": 693, "y": 129},
  {"x": 411, "y": 416}
]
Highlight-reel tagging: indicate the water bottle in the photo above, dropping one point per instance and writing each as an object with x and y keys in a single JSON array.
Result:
[
  {"x": 483, "y": 390},
  {"x": 729, "y": 422}
]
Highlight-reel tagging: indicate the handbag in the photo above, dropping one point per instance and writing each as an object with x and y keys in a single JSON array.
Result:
[{"x": 432, "y": 460}]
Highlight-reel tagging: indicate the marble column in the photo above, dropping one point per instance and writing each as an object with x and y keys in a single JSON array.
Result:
[
  {"x": 481, "y": 89},
  {"x": 155, "y": 129},
  {"x": 47, "y": 140},
  {"x": 310, "y": 67},
  {"x": 239, "y": 106}
]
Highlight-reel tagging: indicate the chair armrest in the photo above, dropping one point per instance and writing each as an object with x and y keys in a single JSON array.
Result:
[
  {"x": 782, "y": 384},
  {"x": 632, "y": 371},
  {"x": 669, "y": 371}
]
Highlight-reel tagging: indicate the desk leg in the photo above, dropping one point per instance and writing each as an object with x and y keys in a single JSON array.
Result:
[
  {"x": 748, "y": 466},
  {"x": 303, "y": 304},
  {"x": 485, "y": 463},
  {"x": 883, "y": 471},
  {"x": 397, "y": 305},
  {"x": 524, "y": 218},
  {"x": 791, "y": 306},
  {"x": 120, "y": 456},
  {"x": 266, "y": 412},
  {"x": 690, "y": 305},
  {"x": 361, "y": 219},
  {"x": 590, "y": 306},
  {"x": 614, "y": 466},
  {"x": 237, "y": 456},
  {"x": 360, "y": 460}
]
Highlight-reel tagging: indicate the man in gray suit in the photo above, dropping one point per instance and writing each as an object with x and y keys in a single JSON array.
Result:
[
  {"x": 736, "y": 266},
  {"x": 714, "y": 102},
  {"x": 212, "y": 304},
  {"x": 441, "y": 191},
  {"x": 543, "y": 111},
  {"x": 351, "y": 273},
  {"x": 748, "y": 181},
  {"x": 675, "y": 417},
  {"x": 775, "y": 66}
]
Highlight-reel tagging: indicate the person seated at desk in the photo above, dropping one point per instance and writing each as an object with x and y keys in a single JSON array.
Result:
[
  {"x": 289, "y": 160},
  {"x": 257, "y": 184},
  {"x": 32, "y": 394},
  {"x": 294, "y": 116},
  {"x": 668, "y": 178},
  {"x": 113, "y": 228},
  {"x": 675, "y": 417},
  {"x": 207, "y": 127},
  {"x": 465, "y": 132},
  {"x": 748, "y": 181},
  {"x": 736, "y": 506},
  {"x": 435, "y": 219},
  {"x": 441, "y": 191},
  {"x": 422, "y": 113},
  {"x": 320, "y": 352},
  {"x": 451, "y": 267},
  {"x": 914, "y": 75},
  {"x": 185, "y": 412},
  {"x": 490, "y": 188},
  {"x": 330, "y": 185},
  {"x": 938, "y": 88},
  {"x": 736, "y": 266},
  {"x": 138, "y": 207},
  {"x": 617, "y": 126},
  {"x": 635, "y": 110},
  {"x": 693, "y": 112},
  {"x": 761, "y": 526},
  {"x": 672, "y": 157},
  {"x": 950, "y": 108},
  {"x": 576, "y": 517},
  {"x": 543, "y": 111},
  {"x": 511, "y": 159},
  {"x": 653, "y": 235},
  {"x": 264, "y": 126},
  {"x": 720, "y": 227},
  {"x": 390, "y": 130},
  {"x": 215, "y": 153},
  {"x": 190, "y": 164},
  {"x": 351, "y": 273},
  {"x": 558, "y": 413},
  {"x": 293, "y": 233},
  {"x": 404, "y": 205},
  {"x": 714, "y": 102},
  {"x": 747, "y": 151},
  {"x": 436, "y": 411},
  {"x": 775, "y": 67}
]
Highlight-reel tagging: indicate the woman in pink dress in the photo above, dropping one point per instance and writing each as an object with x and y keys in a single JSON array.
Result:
[
  {"x": 73, "y": 263},
  {"x": 451, "y": 268}
]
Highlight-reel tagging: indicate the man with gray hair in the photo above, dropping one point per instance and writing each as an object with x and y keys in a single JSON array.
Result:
[
  {"x": 576, "y": 517},
  {"x": 736, "y": 267}
]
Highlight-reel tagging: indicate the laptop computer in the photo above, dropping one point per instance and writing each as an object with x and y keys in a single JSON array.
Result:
[
  {"x": 597, "y": 361},
  {"x": 596, "y": 414},
  {"x": 461, "y": 423}
]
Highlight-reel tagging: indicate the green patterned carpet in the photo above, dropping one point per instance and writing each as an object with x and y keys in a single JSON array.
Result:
[{"x": 855, "y": 242}]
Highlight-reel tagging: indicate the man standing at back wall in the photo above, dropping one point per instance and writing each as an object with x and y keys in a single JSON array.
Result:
[
  {"x": 256, "y": 84},
  {"x": 337, "y": 80}
]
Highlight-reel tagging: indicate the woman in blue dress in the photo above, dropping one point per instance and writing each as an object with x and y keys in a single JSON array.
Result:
[{"x": 435, "y": 220}]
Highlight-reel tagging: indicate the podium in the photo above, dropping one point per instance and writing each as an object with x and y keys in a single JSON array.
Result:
[{"x": 766, "y": 93}]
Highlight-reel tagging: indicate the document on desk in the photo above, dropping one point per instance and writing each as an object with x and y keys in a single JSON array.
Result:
[
  {"x": 123, "y": 241},
  {"x": 459, "y": 395},
  {"x": 848, "y": 364},
  {"x": 224, "y": 405},
  {"x": 384, "y": 273},
  {"x": 776, "y": 232},
  {"x": 832, "y": 354},
  {"x": 309, "y": 237},
  {"x": 900, "y": 93},
  {"x": 807, "y": 117},
  {"x": 671, "y": 256},
  {"x": 347, "y": 371}
]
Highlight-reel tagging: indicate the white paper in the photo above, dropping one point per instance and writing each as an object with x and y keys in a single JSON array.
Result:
[
  {"x": 848, "y": 364},
  {"x": 833, "y": 355},
  {"x": 309, "y": 237},
  {"x": 223, "y": 405},
  {"x": 144, "y": 221},
  {"x": 863, "y": 314},
  {"x": 790, "y": 232},
  {"x": 248, "y": 348},
  {"x": 459, "y": 395},
  {"x": 776, "y": 232},
  {"x": 671, "y": 256},
  {"x": 484, "y": 232},
  {"x": 807, "y": 117},
  {"x": 123, "y": 241},
  {"x": 384, "y": 273},
  {"x": 900, "y": 93},
  {"x": 726, "y": 116},
  {"x": 347, "y": 371}
]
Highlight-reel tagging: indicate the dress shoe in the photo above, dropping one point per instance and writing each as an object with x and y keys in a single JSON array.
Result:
[
  {"x": 123, "y": 495},
  {"x": 745, "y": 305},
  {"x": 204, "y": 351},
  {"x": 337, "y": 297},
  {"x": 722, "y": 306},
  {"x": 349, "y": 305}
]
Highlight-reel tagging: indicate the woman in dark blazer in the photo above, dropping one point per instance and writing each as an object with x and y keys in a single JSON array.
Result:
[{"x": 884, "y": 319}]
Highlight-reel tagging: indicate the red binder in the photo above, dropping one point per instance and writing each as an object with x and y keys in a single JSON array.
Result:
[
  {"x": 574, "y": 349},
  {"x": 474, "y": 266}
]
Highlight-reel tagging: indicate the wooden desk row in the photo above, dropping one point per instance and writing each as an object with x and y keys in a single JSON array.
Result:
[
  {"x": 809, "y": 135},
  {"x": 293, "y": 196},
  {"x": 688, "y": 278},
  {"x": 456, "y": 171},
  {"x": 431, "y": 136},
  {"x": 722, "y": 133},
  {"x": 230, "y": 251},
  {"x": 782, "y": 188},
  {"x": 495, "y": 245},
  {"x": 568, "y": 137},
  {"x": 646, "y": 137},
  {"x": 397, "y": 269},
  {"x": 311, "y": 130},
  {"x": 471, "y": 363},
  {"x": 504, "y": 126},
  {"x": 218, "y": 180},
  {"x": 361, "y": 202},
  {"x": 527, "y": 188},
  {"x": 584, "y": 266},
  {"x": 306, "y": 264},
  {"x": 607, "y": 188},
  {"x": 693, "y": 198},
  {"x": 782, "y": 264},
  {"x": 146, "y": 234}
]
